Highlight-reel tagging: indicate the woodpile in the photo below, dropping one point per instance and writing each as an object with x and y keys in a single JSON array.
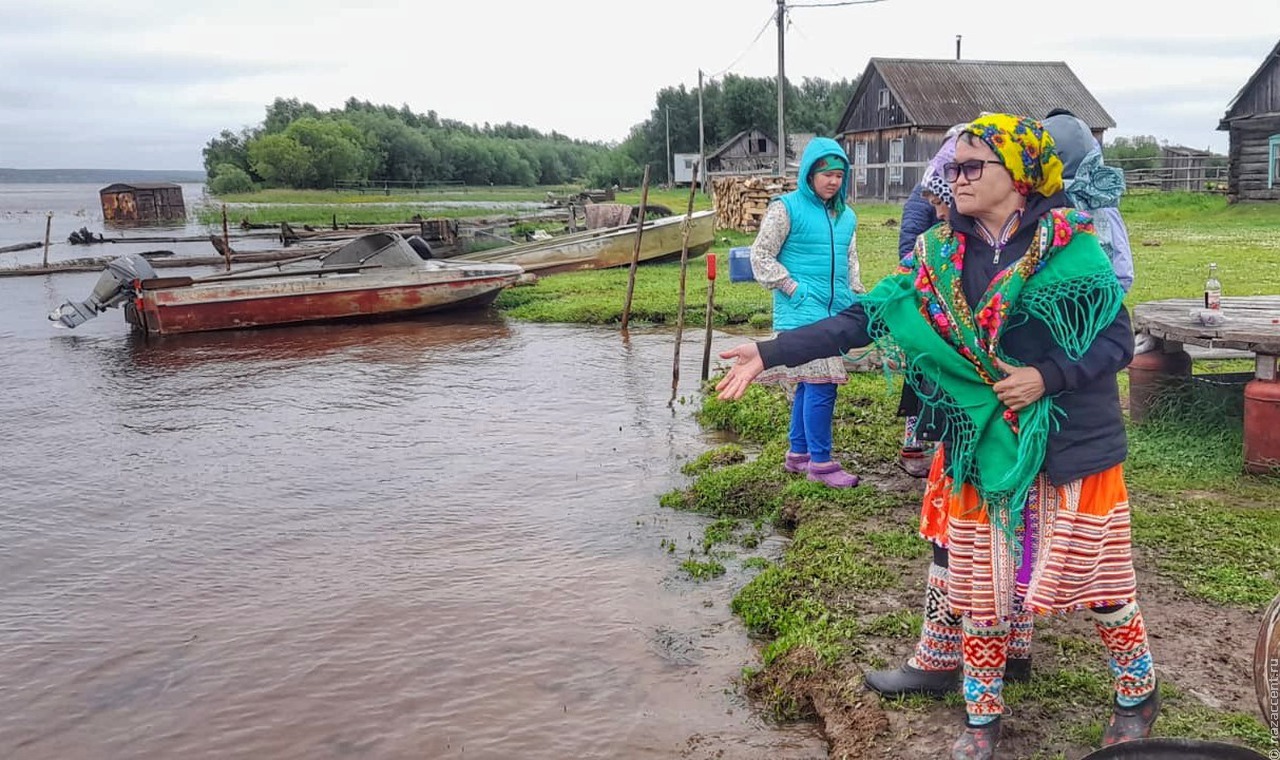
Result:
[{"x": 740, "y": 201}]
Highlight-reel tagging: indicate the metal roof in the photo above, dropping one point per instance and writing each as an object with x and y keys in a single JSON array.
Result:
[
  {"x": 118, "y": 186},
  {"x": 940, "y": 93},
  {"x": 1231, "y": 115}
]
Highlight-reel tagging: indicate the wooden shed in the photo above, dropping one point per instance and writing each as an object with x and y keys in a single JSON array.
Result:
[
  {"x": 1185, "y": 168},
  {"x": 900, "y": 112},
  {"x": 1252, "y": 122},
  {"x": 142, "y": 203},
  {"x": 751, "y": 151}
]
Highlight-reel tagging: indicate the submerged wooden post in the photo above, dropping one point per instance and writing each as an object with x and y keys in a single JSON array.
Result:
[
  {"x": 635, "y": 253},
  {"x": 48, "y": 223},
  {"x": 226, "y": 238},
  {"x": 711, "y": 303},
  {"x": 684, "y": 263}
]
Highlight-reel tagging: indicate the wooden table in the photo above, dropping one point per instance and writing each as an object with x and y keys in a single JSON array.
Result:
[{"x": 1253, "y": 325}]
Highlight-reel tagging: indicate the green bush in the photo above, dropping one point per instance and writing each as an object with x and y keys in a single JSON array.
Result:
[{"x": 229, "y": 178}]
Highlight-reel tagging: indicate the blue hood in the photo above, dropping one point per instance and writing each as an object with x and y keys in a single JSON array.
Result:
[{"x": 818, "y": 148}]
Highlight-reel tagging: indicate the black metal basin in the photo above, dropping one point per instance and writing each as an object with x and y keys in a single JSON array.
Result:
[{"x": 1174, "y": 749}]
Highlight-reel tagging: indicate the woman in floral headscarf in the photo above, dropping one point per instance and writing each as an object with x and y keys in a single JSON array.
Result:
[{"x": 1009, "y": 325}]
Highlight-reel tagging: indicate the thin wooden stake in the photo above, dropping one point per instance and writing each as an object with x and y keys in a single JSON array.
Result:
[
  {"x": 684, "y": 262},
  {"x": 226, "y": 238},
  {"x": 635, "y": 254},
  {"x": 711, "y": 303},
  {"x": 48, "y": 223}
]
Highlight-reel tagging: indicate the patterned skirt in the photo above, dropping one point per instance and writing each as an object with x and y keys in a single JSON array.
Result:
[{"x": 1073, "y": 550}]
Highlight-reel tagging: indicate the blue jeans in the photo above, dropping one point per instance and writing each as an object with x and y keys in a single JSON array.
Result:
[{"x": 811, "y": 413}]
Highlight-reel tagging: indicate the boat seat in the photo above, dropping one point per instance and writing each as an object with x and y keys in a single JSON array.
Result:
[{"x": 421, "y": 246}]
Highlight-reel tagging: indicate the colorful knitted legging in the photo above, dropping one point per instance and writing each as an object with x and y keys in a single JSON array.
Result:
[
  {"x": 1123, "y": 634},
  {"x": 939, "y": 644}
]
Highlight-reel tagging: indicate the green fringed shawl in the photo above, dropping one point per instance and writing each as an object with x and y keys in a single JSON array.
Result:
[{"x": 945, "y": 350}]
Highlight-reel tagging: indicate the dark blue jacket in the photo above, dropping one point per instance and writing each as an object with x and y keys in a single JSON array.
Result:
[
  {"x": 1091, "y": 437},
  {"x": 917, "y": 216}
]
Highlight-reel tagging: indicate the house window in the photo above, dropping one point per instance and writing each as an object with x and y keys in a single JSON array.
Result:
[
  {"x": 762, "y": 145},
  {"x": 895, "y": 161},
  {"x": 884, "y": 98},
  {"x": 1273, "y": 161},
  {"x": 860, "y": 160}
]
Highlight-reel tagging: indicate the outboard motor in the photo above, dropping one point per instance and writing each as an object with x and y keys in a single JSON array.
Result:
[{"x": 114, "y": 287}]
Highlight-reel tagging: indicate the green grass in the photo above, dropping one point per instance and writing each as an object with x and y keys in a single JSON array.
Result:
[
  {"x": 1193, "y": 230},
  {"x": 321, "y": 207}
]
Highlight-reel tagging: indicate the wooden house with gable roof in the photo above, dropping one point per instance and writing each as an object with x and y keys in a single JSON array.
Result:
[
  {"x": 1252, "y": 122},
  {"x": 898, "y": 115},
  {"x": 751, "y": 151}
]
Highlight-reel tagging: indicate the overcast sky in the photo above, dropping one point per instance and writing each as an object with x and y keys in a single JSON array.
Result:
[{"x": 145, "y": 84}]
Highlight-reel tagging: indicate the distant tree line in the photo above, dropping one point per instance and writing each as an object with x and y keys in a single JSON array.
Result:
[
  {"x": 729, "y": 106},
  {"x": 299, "y": 146},
  {"x": 1141, "y": 152}
]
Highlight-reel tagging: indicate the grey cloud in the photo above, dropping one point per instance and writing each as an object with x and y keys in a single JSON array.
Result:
[
  {"x": 1251, "y": 48},
  {"x": 1173, "y": 96},
  {"x": 1182, "y": 122},
  {"x": 162, "y": 149},
  {"x": 88, "y": 68}
]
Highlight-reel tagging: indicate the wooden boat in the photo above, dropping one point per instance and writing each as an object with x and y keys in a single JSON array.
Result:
[
  {"x": 379, "y": 275},
  {"x": 607, "y": 247}
]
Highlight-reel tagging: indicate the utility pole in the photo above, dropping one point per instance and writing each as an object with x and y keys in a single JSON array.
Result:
[
  {"x": 669, "y": 177},
  {"x": 782, "y": 86},
  {"x": 702, "y": 147}
]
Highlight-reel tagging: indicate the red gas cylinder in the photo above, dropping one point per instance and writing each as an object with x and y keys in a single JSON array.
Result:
[
  {"x": 1151, "y": 373},
  {"x": 1262, "y": 426}
]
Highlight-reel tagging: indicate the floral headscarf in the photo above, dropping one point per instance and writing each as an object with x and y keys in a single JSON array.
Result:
[{"x": 1025, "y": 148}]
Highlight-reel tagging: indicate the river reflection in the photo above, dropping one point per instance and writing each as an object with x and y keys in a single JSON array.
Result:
[
  {"x": 437, "y": 538},
  {"x": 406, "y": 343}
]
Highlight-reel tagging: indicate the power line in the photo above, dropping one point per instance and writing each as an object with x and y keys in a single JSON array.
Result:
[
  {"x": 791, "y": 24},
  {"x": 765, "y": 26},
  {"x": 833, "y": 4}
]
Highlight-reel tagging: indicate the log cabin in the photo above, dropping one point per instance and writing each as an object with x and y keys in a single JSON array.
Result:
[
  {"x": 1252, "y": 122},
  {"x": 901, "y": 109}
]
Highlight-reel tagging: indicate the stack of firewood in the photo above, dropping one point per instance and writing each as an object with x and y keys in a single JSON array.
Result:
[{"x": 740, "y": 201}]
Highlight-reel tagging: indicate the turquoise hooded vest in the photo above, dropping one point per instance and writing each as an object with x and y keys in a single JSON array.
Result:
[{"x": 816, "y": 252}]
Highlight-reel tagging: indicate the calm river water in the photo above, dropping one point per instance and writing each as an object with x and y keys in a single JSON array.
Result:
[
  {"x": 24, "y": 210},
  {"x": 425, "y": 539}
]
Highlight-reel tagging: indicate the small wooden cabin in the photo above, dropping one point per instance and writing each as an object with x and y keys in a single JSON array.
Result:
[
  {"x": 751, "y": 151},
  {"x": 1252, "y": 122},
  {"x": 142, "y": 203},
  {"x": 898, "y": 115}
]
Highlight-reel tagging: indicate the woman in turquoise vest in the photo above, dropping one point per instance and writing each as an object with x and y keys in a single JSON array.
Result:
[{"x": 806, "y": 252}]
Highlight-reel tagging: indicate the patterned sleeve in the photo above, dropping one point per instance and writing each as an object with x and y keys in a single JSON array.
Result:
[
  {"x": 768, "y": 271},
  {"x": 855, "y": 269}
]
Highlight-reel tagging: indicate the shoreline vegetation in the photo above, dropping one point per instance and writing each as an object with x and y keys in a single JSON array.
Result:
[{"x": 846, "y": 594}]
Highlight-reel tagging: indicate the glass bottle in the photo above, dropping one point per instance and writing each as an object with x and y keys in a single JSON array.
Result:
[{"x": 1213, "y": 290}]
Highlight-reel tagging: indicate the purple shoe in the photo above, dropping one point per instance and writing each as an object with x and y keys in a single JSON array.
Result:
[
  {"x": 796, "y": 462},
  {"x": 831, "y": 474}
]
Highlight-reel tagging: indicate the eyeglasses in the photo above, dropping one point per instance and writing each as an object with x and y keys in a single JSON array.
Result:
[{"x": 972, "y": 170}]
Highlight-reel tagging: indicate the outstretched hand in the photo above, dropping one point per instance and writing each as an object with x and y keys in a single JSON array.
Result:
[
  {"x": 747, "y": 367},
  {"x": 1021, "y": 386}
]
